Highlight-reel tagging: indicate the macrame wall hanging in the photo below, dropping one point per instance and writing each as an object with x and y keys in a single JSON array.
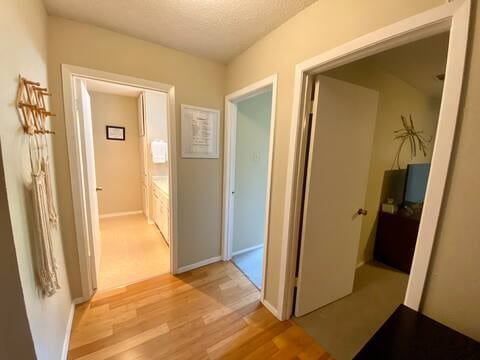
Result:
[
  {"x": 411, "y": 136},
  {"x": 31, "y": 106}
]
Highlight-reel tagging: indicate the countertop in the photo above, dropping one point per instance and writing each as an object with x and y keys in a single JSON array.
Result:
[{"x": 162, "y": 183}]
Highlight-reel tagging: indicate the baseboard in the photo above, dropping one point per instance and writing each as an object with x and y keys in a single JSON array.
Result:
[
  {"x": 246, "y": 250},
  {"x": 272, "y": 309},
  {"x": 185, "y": 268},
  {"x": 68, "y": 331},
  {"x": 80, "y": 300},
  {"x": 110, "y": 215},
  {"x": 361, "y": 263}
]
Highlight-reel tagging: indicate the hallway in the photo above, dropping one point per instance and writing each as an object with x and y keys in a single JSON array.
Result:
[
  {"x": 208, "y": 313},
  {"x": 132, "y": 250}
]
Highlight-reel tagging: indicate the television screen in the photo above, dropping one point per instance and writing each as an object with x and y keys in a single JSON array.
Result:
[{"x": 416, "y": 184}]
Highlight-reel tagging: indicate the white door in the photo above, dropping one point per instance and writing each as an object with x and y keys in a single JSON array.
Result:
[
  {"x": 337, "y": 173},
  {"x": 143, "y": 153},
  {"x": 84, "y": 121}
]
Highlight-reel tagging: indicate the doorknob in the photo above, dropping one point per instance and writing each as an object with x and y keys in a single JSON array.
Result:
[
  {"x": 362, "y": 211},
  {"x": 99, "y": 188}
]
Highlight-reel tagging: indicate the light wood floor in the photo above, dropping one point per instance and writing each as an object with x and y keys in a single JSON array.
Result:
[{"x": 208, "y": 313}]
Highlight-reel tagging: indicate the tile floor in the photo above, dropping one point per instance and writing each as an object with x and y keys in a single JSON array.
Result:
[
  {"x": 251, "y": 264},
  {"x": 132, "y": 250}
]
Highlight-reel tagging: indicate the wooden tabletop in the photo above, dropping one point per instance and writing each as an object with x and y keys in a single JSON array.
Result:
[{"x": 410, "y": 335}]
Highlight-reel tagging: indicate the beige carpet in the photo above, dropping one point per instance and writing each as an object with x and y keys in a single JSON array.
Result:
[
  {"x": 343, "y": 327},
  {"x": 132, "y": 250}
]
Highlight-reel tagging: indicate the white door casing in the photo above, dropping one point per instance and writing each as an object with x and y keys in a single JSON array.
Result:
[{"x": 343, "y": 125}]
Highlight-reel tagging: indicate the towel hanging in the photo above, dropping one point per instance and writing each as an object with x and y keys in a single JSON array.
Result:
[{"x": 159, "y": 149}]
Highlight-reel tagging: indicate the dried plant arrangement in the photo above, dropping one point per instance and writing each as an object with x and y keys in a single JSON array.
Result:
[{"x": 408, "y": 134}]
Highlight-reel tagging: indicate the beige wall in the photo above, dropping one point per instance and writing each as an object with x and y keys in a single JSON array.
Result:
[
  {"x": 452, "y": 293},
  {"x": 396, "y": 98},
  {"x": 197, "y": 82},
  {"x": 23, "y": 45},
  {"x": 117, "y": 163},
  {"x": 309, "y": 33}
]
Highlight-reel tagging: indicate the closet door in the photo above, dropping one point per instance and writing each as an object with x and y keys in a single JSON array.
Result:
[{"x": 343, "y": 123}]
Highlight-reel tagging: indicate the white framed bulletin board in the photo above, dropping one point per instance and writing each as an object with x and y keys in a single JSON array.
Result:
[{"x": 200, "y": 132}]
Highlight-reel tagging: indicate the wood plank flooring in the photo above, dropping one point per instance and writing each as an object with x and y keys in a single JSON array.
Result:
[{"x": 208, "y": 313}]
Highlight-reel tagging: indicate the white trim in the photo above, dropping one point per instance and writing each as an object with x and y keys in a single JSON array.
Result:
[
  {"x": 126, "y": 213},
  {"x": 231, "y": 101},
  {"x": 243, "y": 251},
  {"x": 68, "y": 332},
  {"x": 442, "y": 151},
  {"x": 205, "y": 262},
  {"x": 271, "y": 308},
  {"x": 75, "y": 163},
  {"x": 360, "y": 264},
  {"x": 451, "y": 16},
  {"x": 80, "y": 300}
]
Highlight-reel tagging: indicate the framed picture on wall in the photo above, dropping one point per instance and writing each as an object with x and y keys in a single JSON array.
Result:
[
  {"x": 115, "y": 132},
  {"x": 200, "y": 132}
]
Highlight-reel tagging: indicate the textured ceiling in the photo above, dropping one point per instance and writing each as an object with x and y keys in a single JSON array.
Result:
[
  {"x": 216, "y": 29},
  {"x": 418, "y": 63}
]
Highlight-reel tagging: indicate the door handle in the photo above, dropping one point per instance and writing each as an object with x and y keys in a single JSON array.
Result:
[
  {"x": 99, "y": 188},
  {"x": 362, "y": 212}
]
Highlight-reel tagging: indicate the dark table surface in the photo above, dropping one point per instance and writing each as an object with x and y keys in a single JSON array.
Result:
[{"x": 409, "y": 335}]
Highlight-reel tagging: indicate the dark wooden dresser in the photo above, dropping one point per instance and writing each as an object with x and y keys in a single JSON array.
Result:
[
  {"x": 395, "y": 240},
  {"x": 409, "y": 335}
]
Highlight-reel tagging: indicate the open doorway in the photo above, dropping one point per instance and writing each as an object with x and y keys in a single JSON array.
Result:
[
  {"x": 122, "y": 131},
  {"x": 248, "y": 148},
  {"x": 130, "y": 140},
  {"x": 373, "y": 128}
]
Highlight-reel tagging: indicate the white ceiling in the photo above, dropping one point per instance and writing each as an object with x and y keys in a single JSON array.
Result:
[
  {"x": 418, "y": 63},
  {"x": 216, "y": 29},
  {"x": 111, "y": 88}
]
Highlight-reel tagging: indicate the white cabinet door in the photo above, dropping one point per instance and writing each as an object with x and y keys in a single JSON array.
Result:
[
  {"x": 167, "y": 224},
  {"x": 144, "y": 199},
  {"x": 164, "y": 219},
  {"x": 157, "y": 210},
  {"x": 161, "y": 223}
]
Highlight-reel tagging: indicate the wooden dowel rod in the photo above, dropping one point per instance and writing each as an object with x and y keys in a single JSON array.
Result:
[{"x": 30, "y": 82}]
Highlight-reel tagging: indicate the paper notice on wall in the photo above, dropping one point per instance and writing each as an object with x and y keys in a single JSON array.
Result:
[{"x": 199, "y": 132}]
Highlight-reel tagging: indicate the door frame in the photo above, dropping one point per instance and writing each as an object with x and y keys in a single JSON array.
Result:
[
  {"x": 84, "y": 243},
  {"x": 229, "y": 145},
  {"x": 453, "y": 17}
]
